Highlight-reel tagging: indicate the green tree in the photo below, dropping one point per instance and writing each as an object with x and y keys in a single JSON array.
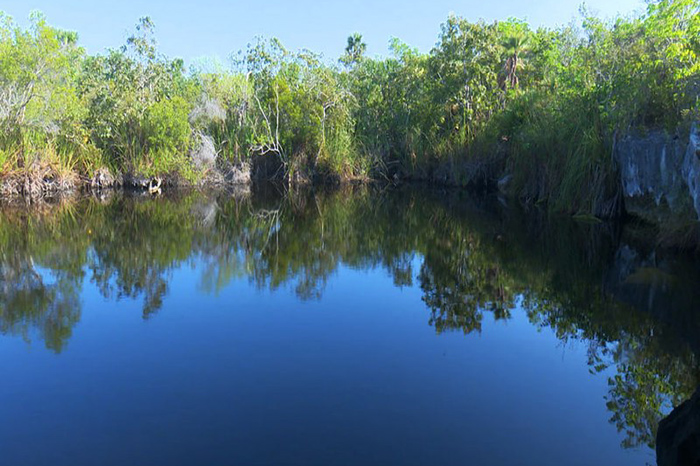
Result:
[
  {"x": 139, "y": 102},
  {"x": 515, "y": 42},
  {"x": 354, "y": 51},
  {"x": 38, "y": 95}
]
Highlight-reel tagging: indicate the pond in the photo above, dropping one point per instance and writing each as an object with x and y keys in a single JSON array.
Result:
[{"x": 358, "y": 326}]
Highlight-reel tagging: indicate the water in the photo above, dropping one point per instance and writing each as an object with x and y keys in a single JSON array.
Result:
[{"x": 364, "y": 326}]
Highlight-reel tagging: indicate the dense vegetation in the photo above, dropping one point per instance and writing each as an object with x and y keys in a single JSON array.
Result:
[{"x": 544, "y": 106}]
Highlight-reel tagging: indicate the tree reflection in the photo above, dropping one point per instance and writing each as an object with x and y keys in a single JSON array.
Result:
[
  {"x": 32, "y": 302},
  {"x": 28, "y": 304},
  {"x": 473, "y": 258}
]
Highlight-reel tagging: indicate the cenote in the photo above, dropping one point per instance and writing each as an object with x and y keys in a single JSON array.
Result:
[{"x": 357, "y": 326}]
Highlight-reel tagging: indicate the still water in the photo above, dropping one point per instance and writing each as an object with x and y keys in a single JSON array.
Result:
[{"x": 356, "y": 327}]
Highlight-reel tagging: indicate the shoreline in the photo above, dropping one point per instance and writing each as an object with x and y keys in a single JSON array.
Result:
[{"x": 52, "y": 194}]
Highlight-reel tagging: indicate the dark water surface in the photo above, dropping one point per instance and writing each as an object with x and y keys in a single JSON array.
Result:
[{"x": 359, "y": 327}]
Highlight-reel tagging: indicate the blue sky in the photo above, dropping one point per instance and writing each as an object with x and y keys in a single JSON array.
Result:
[{"x": 208, "y": 28}]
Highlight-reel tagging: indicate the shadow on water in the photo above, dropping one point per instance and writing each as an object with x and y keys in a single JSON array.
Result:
[{"x": 634, "y": 306}]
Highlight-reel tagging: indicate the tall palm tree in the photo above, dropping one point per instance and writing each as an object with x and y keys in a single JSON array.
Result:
[{"x": 516, "y": 45}]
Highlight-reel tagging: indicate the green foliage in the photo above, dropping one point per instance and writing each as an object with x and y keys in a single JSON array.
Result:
[
  {"x": 298, "y": 110},
  {"x": 354, "y": 51},
  {"x": 167, "y": 127},
  {"x": 138, "y": 101},
  {"x": 40, "y": 108},
  {"x": 546, "y": 105}
]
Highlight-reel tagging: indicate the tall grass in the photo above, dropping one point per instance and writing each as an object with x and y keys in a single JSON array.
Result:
[{"x": 560, "y": 154}]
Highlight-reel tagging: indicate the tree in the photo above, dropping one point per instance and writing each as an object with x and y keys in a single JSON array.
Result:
[
  {"x": 515, "y": 42},
  {"x": 354, "y": 51},
  {"x": 138, "y": 101},
  {"x": 37, "y": 78}
]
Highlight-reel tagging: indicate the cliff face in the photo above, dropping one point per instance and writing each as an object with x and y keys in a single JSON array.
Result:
[
  {"x": 678, "y": 439},
  {"x": 660, "y": 175},
  {"x": 691, "y": 167}
]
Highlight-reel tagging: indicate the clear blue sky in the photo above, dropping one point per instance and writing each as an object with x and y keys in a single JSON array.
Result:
[{"x": 216, "y": 28}]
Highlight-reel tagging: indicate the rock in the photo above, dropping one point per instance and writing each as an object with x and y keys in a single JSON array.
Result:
[
  {"x": 236, "y": 173},
  {"x": 651, "y": 173},
  {"x": 206, "y": 112},
  {"x": 103, "y": 178},
  {"x": 691, "y": 167},
  {"x": 204, "y": 153},
  {"x": 678, "y": 437},
  {"x": 134, "y": 180},
  {"x": 660, "y": 175}
]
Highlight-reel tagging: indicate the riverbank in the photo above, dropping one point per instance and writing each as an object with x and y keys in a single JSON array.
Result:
[
  {"x": 491, "y": 106},
  {"x": 657, "y": 182},
  {"x": 46, "y": 182}
]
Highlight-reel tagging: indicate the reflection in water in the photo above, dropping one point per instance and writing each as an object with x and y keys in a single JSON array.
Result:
[{"x": 632, "y": 306}]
